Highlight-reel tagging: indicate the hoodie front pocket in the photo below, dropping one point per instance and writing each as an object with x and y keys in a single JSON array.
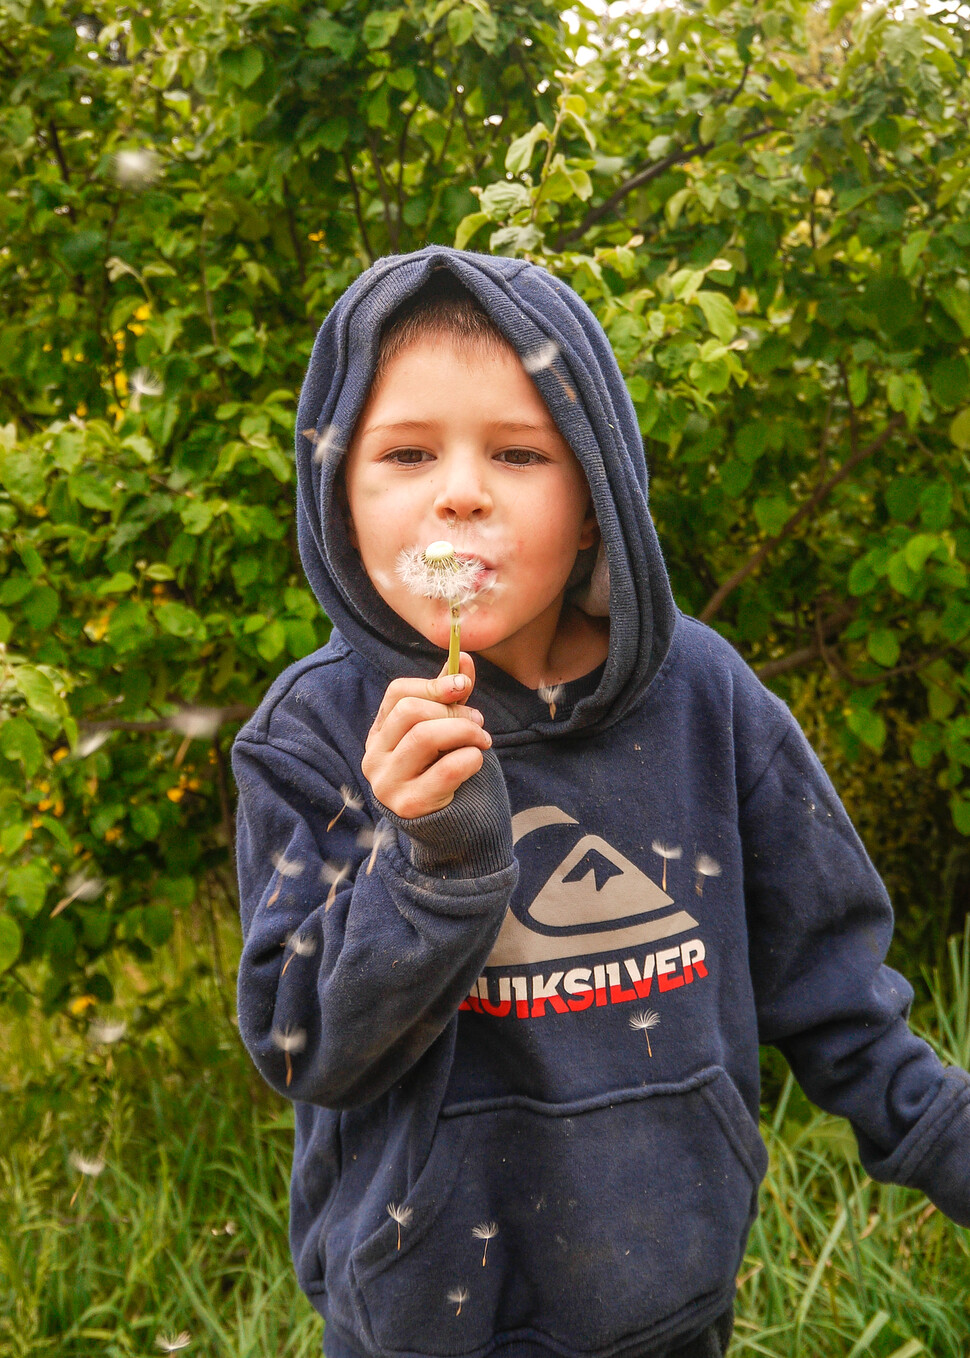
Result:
[{"x": 590, "y": 1224}]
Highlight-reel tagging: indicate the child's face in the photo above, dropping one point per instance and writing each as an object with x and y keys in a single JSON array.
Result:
[{"x": 458, "y": 444}]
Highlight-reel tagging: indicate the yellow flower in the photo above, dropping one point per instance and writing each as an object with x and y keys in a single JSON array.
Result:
[
  {"x": 175, "y": 794},
  {"x": 82, "y": 1002},
  {"x": 112, "y": 834}
]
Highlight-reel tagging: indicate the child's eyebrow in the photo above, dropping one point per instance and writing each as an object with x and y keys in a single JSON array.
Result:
[{"x": 423, "y": 426}]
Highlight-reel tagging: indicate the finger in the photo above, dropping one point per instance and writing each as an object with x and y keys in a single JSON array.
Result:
[
  {"x": 409, "y": 711},
  {"x": 428, "y": 741},
  {"x": 436, "y": 787},
  {"x": 441, "y": 689}
]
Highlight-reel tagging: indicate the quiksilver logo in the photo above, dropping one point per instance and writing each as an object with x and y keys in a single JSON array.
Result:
[{"x": 593, "y": 885}]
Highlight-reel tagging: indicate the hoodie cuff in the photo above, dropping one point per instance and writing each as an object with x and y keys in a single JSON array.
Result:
[
  {"x": 934, "y": 1156},
  {"x": 470, "y": 837}
]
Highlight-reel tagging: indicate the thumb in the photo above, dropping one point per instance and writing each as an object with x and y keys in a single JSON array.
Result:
[{"x": 466, "y": 666}]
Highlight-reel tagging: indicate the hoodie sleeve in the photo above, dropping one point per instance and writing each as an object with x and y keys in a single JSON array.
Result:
[
  {"x": 820, "y": 924},
  {"x": 354, "y": 957}
]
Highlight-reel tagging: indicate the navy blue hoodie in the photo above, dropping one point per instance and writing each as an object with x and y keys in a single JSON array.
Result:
[{"x": 521, "y": 1033}]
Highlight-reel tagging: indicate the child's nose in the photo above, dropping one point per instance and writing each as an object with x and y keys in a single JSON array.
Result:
[{"x": 463, "y": 494}]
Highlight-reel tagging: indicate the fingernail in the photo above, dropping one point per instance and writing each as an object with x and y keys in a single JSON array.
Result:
[
  {"x": 459, "y": 681},
  {"x": 488, "y": 738}
]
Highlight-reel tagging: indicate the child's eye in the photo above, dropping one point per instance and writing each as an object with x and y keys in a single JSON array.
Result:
[
  {"x": 409, "y": 457},
  {"x": 526, "y": 454}
]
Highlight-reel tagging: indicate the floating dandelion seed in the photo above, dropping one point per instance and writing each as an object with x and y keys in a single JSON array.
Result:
[
  {"x": 92, "y": 1168},
  {"x": 666, "y": 851},
  {"x": 79, "y": 888},
  {"x": 459, "y": 1295},
  {"x": 174, "y": 1343},
  {"x": 643, "y": 1021},
  {"x": 230, "y": 1228},
  {"x": 143, "y": 382},
  {"x": 543, "y": 357},
  {"x": 286, "y": 867},
  {"x": 134, "y": 169},
  {"x": 300, "y": 945},
  {"x": 706, "y": 867},
  {"x": 485, "y": 1230},
  {"x": 439, "y": 573},
  {"x": 104, "y": 1033},
  {"x": 350, "y": 798},
  {"x": 88, "y": 744},
  {"x": 551, "y": 693},
  {"x": 324, "y": 443},
  {"x": 289, "y": 1040},
  {"x": 198, "y": 723},
  {"x": 402, "y": 1215},
  {"x": 375, "y": 841},
  {"x": 334, "y": 873}
]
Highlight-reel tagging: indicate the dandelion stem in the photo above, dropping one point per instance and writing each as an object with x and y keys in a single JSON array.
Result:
[{"x": 454, "y": 642}]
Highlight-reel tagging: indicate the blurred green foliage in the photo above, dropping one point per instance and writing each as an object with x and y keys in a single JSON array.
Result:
[{"x": 765, "y": 204}]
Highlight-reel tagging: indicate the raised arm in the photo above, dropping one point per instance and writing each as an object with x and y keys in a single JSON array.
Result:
[{"x": 354, "y": 959}]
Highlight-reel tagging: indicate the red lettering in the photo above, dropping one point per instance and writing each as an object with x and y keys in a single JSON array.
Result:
[{"x": 617, "y": 994}]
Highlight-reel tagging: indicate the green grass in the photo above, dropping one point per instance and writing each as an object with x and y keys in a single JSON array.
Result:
[{"x": 194, "y": 1142}]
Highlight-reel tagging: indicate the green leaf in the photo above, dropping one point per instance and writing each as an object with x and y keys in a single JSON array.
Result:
[
  {"x": 40, "y": 607},
  {"x": 468, "y": 226},
  {"x": 936, "y": 502},
  {"x": 301, "y": 638},
  {"x": 901, "y": 576},
  {"x": 736, "y": 477},
  {"x": 323, "y": 31},
  {"x": 461, "y": 24},
  {"x": 912, "y": 248},
  {"x": 90, "y": 491},
  {"x": 956, "y": 302},
  {"x": 950, "y": 381},
  {"x": 11, "y": 941},
  {"x": 380, "y": 26},
  {"x": 921, "y": 547},
  {"x": 28, "y": 883},
  {"x": 862, "y": 577},
  {"x": 271, "y": 640},
  {"x": 772, "y": 513},
  {"x": 120, "y": 583},
  {"x": 960, "y": 429},
  {"x": 19, "y": 741},
  {"x": 145, "y": 821},
  {"x": 902, "y": 497},
  {"x": 503, "y": 198},
  {"x": 38, "y": 691},
  {"x": 180, "y": 621},
  {"x": 883, "y": 646},
  {"x": 869, "y": 726},
  {"x": 242, "y": 67},
  {"x": 719, "y": 313},
  {"x": 960, "y": 808},
  {"x": 22, "y": 474}
]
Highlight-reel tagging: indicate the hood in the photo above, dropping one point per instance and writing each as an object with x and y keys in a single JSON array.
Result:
[{"x": 586, "y": 396}]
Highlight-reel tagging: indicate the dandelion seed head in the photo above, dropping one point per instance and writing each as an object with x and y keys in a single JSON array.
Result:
[
  {"x": 485, "y": 1230},
  {"x": 143, "y": 382},
  {"x": 289, "y": 1039},
  {"x": 402, "y": 1215},
  {"x": 287, "y": 867},
  {"x": 459, "y": 1295},
  {"x": 667, "y": 850},
  {"x": 172, "y": 1343},
  {"x": 134, "y": 169},
  {"x": 351, "y": 798},
  {"x": 324, "y": 443},
  {"x": 445, "y": 577},
  {"x": 707, "y": 866},
  {"x": 543, "y": 357},
  {"x": 551, "y": 693},
  {"x": 198, "y": 723},
  {"x": 644, "y": 1019},
  {"x": 104, "y": 1033},
  {"x": 92, "y": 1168}
]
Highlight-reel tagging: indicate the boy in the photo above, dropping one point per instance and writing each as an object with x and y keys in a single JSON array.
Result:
[{"x": 512, "y": 963}]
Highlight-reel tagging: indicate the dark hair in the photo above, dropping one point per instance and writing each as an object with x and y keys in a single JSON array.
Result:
[{"x": 441, "y": 306}]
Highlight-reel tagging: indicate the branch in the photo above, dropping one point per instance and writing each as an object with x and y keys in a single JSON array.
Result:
[
  {"x": 641, "y": 177},
  {"x": 294, "y": 234},
  {"x": 389, "y": 214},
  {"x": 198, "y": 723},
  {"x": 806, "y": 654},
  {"x": 358, "y": 210},
  {"x": 713, "y": 605}
]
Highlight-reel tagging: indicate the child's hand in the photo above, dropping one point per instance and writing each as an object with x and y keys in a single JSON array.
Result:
[{"x": 417, "y": 754}]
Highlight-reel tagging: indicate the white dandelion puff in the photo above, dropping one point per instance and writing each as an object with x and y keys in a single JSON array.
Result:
[
  {"x": 334, "y": 873},
  {"x": 230, "y": 1228},
  {"x": 485, "y": 1230},
  {"x": 350, "y": 799},
  {"x": 543, "y": 357},
  {"x": 196, "y": 723},
  {"x": 143, "y": 382},
  {"x": 643, "y": 1021},
  {"x": 324, "y": 443},
  {"x": 287, "y": 867},
  {"x": 172, "y": 1343},
  {"x": 705, "y": 867},
  {"x": 89, "y": 743},
  {"x": 91, "y": 1168},
  {"x": 135, "y": 169},
  {"x": 666, "y": 851},
  {"x": 300, "y": 945},
  {"x": 289, "y": 1040},
  {"x": 459, "y": 1295},
  {"x": 402, "y": 1215},
  {"x": 437, "y": 573},
  {"x": 103, "y": 1033},
  {"x": 551, "y": 693}
]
